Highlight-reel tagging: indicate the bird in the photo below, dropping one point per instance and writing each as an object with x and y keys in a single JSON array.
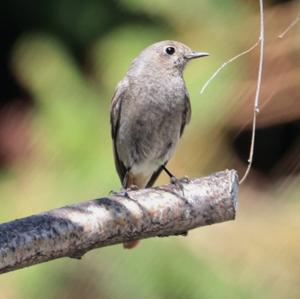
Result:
[{"x": 149, "y": 111}]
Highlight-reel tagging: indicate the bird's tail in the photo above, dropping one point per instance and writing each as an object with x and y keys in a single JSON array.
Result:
[{"x": 139, "y": 181}]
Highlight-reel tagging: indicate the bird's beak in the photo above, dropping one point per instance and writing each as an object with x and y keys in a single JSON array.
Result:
[{"x": 193, "y": 55}]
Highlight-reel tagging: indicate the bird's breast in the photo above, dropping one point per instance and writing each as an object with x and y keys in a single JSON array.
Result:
[{"x": 150, "y": 124}]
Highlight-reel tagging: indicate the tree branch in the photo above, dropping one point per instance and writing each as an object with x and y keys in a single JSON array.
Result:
[{"x": 73, "y": 230}]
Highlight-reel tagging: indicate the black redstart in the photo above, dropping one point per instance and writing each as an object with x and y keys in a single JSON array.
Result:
[{"x": 149, "y": 110}]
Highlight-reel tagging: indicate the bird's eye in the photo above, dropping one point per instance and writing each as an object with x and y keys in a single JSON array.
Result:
[{"x": 170, "y": 50}]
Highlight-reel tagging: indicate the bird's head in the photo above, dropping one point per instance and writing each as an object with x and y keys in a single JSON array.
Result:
[{"x": 169, "y": 55}]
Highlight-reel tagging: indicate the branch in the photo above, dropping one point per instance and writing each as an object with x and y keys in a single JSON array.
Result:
[
  {"x": 73, "y": 230},
  {"x": 225, "y": 64},
  {"x": 283, "y": 33},
  {"x": 258, "y": 88}
]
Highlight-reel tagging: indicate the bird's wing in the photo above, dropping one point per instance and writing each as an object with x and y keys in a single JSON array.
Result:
[
  {"x": 115, "y": 115},
  {"x": 186, "y": 114}
]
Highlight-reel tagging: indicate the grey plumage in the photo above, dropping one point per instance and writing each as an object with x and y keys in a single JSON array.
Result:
[{"x": 149, "y": 111}]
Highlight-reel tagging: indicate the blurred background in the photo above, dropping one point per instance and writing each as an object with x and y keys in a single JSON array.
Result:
[{"x": 60, "y": 61}]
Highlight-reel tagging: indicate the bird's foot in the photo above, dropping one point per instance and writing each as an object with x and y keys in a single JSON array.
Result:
[
  {"x": 113, "y": 193},
  {"x": 184, "y": 180},
  {"x": 124, "y": 192},
  {"x": 133, "y": 188},
  {"x": 180, "y": 182}
]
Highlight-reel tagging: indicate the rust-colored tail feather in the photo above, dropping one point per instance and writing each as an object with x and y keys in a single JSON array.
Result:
[
  {"x": 130, "y": 244},
  {"x": 139, "y": 181}
]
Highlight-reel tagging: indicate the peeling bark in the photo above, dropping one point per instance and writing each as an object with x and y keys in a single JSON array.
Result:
[{"x": 73, "y": 230}]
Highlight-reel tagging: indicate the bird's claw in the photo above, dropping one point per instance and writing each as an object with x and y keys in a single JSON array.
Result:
[
  {"x": 180, "y": 182},
  {"x": 133, "y": 188},
  {"x": 113, "y": 193},
  {"x": 124, "y": 192},
  {"x": 185, "y": 180}
]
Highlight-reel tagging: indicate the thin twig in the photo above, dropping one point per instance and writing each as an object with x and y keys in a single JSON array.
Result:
[
  {"x": 284, "y": 32},
  {"x": 258, "y": 87},
  {"x": 281, "y": 35},
  {"x": 225, "y": 63}
]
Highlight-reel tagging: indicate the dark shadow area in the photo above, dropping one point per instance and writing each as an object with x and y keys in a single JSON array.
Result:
[{"x": 276, "y": 149}]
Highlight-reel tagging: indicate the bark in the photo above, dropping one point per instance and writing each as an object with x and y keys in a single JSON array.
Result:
[{"x": 73, "y": 230}]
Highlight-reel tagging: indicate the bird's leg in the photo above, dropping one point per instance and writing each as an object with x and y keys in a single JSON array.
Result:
[{"x": 174, "y": 180}]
